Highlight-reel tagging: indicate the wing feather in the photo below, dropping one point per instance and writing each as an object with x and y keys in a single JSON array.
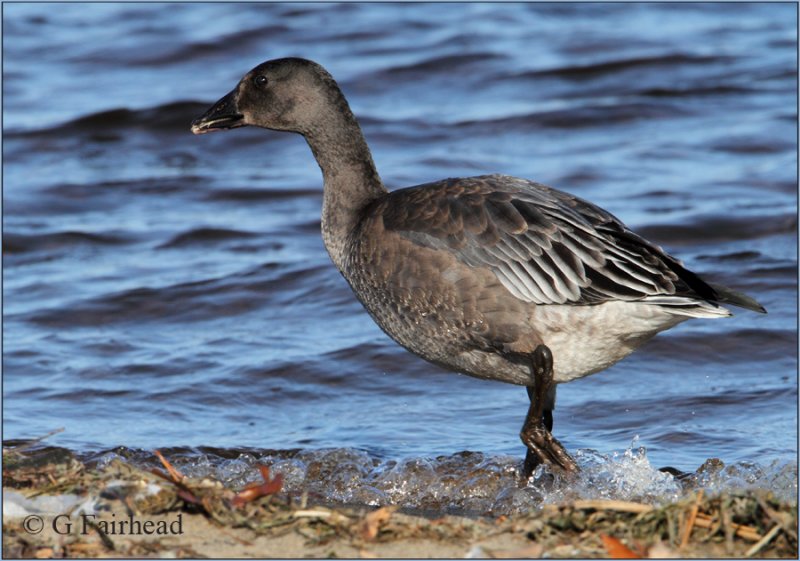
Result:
[
  {"x": 517, "y": 284},
  {"x": 568, "y": 289},
  {"x": 543, "y": 245}
]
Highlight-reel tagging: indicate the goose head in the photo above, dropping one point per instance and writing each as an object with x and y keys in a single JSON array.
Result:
[{"x": 288, "y": 94}]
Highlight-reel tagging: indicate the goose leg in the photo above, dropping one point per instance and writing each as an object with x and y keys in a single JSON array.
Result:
[
  {"x": 535, "y": 434},
  {"x": 531, "y": 459}
]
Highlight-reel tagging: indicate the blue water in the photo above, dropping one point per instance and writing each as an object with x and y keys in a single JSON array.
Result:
[{"x": 162, "y": 289}]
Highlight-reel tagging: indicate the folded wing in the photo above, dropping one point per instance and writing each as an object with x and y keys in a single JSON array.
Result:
[{"x": 549, "y": 247}]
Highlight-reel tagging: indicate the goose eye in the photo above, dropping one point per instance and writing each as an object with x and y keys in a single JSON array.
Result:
[{"x": 260, "y": 80}]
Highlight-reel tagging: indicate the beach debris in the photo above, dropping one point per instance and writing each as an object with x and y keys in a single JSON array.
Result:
[
  {"x": 176, "y": 476},
  {"x": 30, "y": 443},
  {"x": 763, "y": 541},
  {"x": 619, "y": 506},
  {"x": 687, "y": 531},
  {"x": 618, "y": 550},
  {"x": 257, "y": 490},
  {"x": 177, "y": 479},
  {"x": 704, "y": 524},
  {"x": 370, "y": 525}
]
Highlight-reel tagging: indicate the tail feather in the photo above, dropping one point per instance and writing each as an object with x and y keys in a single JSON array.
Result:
[
  {"x": 712, "y": 293},
  {"x": 688, "y": 307},
  {"x": 727, "y": 296}
]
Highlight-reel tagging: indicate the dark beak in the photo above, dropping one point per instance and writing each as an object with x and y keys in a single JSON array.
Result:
[{"x": 223, "y": 115}]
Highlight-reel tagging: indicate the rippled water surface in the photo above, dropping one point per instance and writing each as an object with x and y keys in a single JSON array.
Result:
[{"x": 166, "y": 290}]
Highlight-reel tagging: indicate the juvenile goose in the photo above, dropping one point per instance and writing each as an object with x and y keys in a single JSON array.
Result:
[{"x": 493, "y": 276}]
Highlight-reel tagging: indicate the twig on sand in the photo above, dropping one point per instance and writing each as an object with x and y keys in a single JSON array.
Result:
[
  {"x": 333, "y": 516},
  {"x": 687, "y": 531},
  {"x": 371, "y": 524},
  {"x": 32, "y": 442},
  {"x": 763, "y": 541},
  {"x": 777, "y": 518},
  {"x": 177, "y": 476},
  {"x": 619, "y": 506},
  {"x": 257, "y": 490},
  {"x": 745, "y": 532}
]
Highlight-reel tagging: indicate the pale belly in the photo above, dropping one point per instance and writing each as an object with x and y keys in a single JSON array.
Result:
[{"x": 587, "y": 339}]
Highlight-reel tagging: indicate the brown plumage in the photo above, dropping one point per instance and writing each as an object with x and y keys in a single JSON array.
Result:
[{"x": 493, "y": 276}]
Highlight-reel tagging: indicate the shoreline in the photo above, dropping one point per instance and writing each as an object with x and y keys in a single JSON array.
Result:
[{"x": 56, "y": 506}]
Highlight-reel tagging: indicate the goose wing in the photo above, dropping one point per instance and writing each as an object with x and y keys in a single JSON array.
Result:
[{"x": 545, "y": 246}]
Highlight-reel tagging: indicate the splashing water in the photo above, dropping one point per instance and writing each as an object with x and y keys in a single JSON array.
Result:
[
  {"x": 625, "y": 476},
  {"x": 472, "y": 483}
]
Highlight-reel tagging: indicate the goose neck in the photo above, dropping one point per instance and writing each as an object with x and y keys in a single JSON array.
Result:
[{"x": 350, "y": 179}]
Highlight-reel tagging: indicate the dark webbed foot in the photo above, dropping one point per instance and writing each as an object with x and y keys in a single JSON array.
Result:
[
  {"x": 535, "y": 434},
  {"x": 675, "y": 472},
  {"x": 544, "y": 448},
  {"x": 532, "y": 460}
]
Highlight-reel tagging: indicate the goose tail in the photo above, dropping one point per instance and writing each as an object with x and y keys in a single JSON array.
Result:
[
  {"x": 710, "y": 307},
  {"x": 727, "y": 296}
]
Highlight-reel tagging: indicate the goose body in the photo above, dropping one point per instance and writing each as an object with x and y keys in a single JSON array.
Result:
[
  {"x": 483, "y": 275},
  {"x": 470, "y": 273}
]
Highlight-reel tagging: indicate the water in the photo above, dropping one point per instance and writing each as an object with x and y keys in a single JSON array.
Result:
[
  {"x": 467, "y": 483},
  {"x": 166, "y": 290}
]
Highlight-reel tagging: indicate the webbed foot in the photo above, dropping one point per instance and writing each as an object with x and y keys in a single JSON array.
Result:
[{"x": 543, "y": 447}]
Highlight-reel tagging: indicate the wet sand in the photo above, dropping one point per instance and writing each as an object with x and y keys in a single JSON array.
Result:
[{"x": 57, "y": 506}]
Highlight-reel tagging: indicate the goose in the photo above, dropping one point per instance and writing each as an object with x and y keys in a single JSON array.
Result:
[{"x": 496, "y": 277}]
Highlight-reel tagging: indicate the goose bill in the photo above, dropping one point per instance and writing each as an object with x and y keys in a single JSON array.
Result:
[{"x": 223, "y": 115}]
